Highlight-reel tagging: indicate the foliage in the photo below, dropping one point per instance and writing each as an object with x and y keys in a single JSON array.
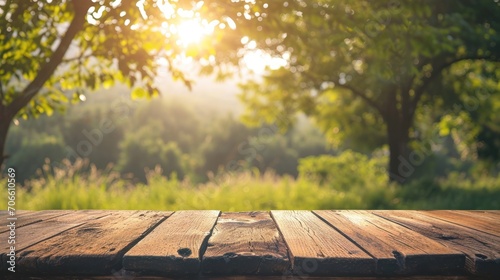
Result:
[
  {"x": 71, "y": 188},
  {"x": 105, "y": 36},
  {"x": 51, "y": 51},
  {"x": 144, "y": 149},
  {"x": 134, "y": 135},
  {"x": 344, "y": 169},
  {"x": 364, "y": 69},
  {"x": 34, "y": 152}
]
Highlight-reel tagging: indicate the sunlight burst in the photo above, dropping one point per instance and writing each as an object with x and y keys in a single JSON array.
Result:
[
  {"x": 191, "y": 32},
  {"x": 258, "y": 61}
]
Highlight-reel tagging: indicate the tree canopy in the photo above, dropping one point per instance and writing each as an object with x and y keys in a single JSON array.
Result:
[
  {"x": 362, "y": 67},
  {"x": 52, "y": 50}
]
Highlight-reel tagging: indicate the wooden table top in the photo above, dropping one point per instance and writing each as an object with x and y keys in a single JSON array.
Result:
[{"x": 285, "y": 244}]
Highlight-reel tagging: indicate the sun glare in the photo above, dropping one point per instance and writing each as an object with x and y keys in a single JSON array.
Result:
[
  {"x": 190, "y": 29},
  {"x": 191, "y": 32},
  {"x": 258, "y": 61}
]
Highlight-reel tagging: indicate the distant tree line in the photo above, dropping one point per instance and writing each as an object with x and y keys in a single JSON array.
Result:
[{"x": 132, "y": 137}]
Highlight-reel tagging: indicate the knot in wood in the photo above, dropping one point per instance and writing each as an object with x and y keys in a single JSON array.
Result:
[{"x": 184, "y": 252}]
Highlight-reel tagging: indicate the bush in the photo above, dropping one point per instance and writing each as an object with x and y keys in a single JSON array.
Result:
[
  {"x": 33, "y": 153},
  {"x": 355, "y": 182},
  {"x": 143, "y": 150},
  {"x": 344, "y": 171}
]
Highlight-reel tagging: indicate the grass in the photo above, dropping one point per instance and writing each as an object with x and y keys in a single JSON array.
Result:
[{"x": 73, "y": 188}]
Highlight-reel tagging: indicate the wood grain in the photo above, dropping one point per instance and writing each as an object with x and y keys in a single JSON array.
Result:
[
  {"x": 176, "y": 246},
  {"x": 91, "y": 244},
  {"x": 397, "y": 249},
  {"x": 245, "y": 243},
  {"x": 30, "y": 217},
  {"x": 36, "y": 232},
  {"x": 482, "y": 250},
  {"x": 94, "y": 248},
  {"x": 475, "y": 221},
  {"x": 4, "y": 213},
  {"x": 318, "y": 249},
  {"x": 44, "y": 229}
]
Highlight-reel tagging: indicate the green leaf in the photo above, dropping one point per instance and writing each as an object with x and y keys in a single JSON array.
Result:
[{"x": 139, "y": 92}]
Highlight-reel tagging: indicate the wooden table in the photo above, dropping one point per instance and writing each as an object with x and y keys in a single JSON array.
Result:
[{"x": 100, "y": 244}]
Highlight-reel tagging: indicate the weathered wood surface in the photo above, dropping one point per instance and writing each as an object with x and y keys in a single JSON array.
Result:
[
  {"x": 24, "y": 218},
  {"x": 480, "y": 222},
  {"x": 176, "y": 246},
  {"x": 254, "y": 245},
  {"x": 482, "y": 250},
  {"x": 318, "y": 249},
  {"x": 395, "y": 248},
  {"x": 34, "y": 233},
  {"x": 47, "y": 225},
  {"x": 4, "y": 213},
  {"x": 94, "y": 248},
  {"x": 245, "y": 243}
]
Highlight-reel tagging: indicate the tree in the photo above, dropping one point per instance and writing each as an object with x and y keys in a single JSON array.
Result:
[
  {"x": 145, "y": 149},
  {"x": 361, "y": 67},
  {"x": 50, "y": 51}
]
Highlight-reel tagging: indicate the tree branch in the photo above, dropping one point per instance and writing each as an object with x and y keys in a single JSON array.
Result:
[
  {"x": 436, "y": 71},
  {"x": 80, "y": 8},
  {"x": 2, "y": 94},
  {"x": 361, "y": 95},
  {"x": 354, "y": 91}
]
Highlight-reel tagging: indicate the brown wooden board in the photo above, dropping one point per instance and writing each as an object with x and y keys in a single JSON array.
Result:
[
  {"x": 176, "y": 246},
  {"x": 316, "y": 248},
  {"x": 245, "y": 243},
  {"x": 482, "y": 250},
  {"x": 4, "y": 213},
  {"x": 397, "y": 249},
  {"x": 474, "y": 220},
  {"x": 492, "y": 212},
  {"x": 31, "y": 217},
  {"x": 94, "y": 248},
  {"x": 487, "y": 215},
  {"x": 36, "y": 232},
  {"x": 491, "y": 215}
]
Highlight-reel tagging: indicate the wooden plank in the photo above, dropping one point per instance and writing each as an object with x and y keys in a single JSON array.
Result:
[
  {"x": 492, "y": 212},
  {"x": 482, "y": 250},
  {"x": 31, "y": 217},
  {"x": 473, "y": 221},
  {"x": 493, "y": 216},
  {"x": 4, "y": 213},
  {"x": 318, "y": 249},
  {"x": 37, "y": 232},
  {"x": 397, "y": 249},
  {"x": 245, "y": 243},
  {"x": 44, "y": 228},
  {"x": 176, "y": 246},
  {"x": 94, "y": 248}
]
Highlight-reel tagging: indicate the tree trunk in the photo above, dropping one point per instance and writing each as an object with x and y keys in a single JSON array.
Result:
[
  {"x": 5, "y": 121},
  {"x": 7, "y": 112},
  {"x": 400, "y": 168}
]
